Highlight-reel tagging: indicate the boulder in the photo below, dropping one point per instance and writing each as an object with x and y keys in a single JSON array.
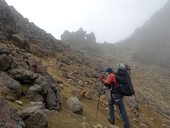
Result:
[
  {"x": 23, "y": 76},
  {"x": 51, "y": 103},
  {"x": 43, "y": 82},
  {"x": 33, "y": 93},
  {"x": 13, "y": 65},
  {"x": 28, "y": 111},
  {"x": 75, "y": 105},
  {"x": 37, "y": 120},
  {"x": 34, "y": 116},
  {"x": 49, "y": 92},
  {"x": 80, "y": 83},
  {"x": 35, "y": 89},
  {"x": 19, "y": 65},
  {"x": 9, "y": 117},
  {"x": 14, "y": 85},
  {"x": 19, "y": 102},
  {"x": 5, "y": 62},
  {"x": 9, "y": 86},
  {"x": 4, "y": 51}
]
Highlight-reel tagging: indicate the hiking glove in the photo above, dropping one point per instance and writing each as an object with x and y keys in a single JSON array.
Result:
[{"x": 101, "y": 77}]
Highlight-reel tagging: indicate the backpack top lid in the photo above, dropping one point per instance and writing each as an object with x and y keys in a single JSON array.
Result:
[
  {"x": 121, "y": 66},
  {"x": 127, "y": 67},
  {"x": 109, "y": 70}
]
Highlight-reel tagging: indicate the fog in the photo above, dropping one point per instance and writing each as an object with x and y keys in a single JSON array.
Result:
[{"x": 110, "y": 20}]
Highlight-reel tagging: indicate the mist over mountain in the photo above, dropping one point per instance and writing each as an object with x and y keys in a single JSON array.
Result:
[{"x": 151, "y": 42}]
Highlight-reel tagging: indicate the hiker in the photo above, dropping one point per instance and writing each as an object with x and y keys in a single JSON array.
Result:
[{"x": 116, "y": 97}]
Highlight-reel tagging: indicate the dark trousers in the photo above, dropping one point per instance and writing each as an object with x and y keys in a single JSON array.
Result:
[{"x": 116, "y": 99}]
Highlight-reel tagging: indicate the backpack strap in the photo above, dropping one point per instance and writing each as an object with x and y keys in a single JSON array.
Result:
[{"x": 115, "y": 88}]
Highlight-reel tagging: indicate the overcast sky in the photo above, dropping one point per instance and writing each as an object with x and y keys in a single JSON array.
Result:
[{"x": 110, "y": 20}]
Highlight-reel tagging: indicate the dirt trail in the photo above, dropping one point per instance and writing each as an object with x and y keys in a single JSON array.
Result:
[{"x": 66, "y": 119}]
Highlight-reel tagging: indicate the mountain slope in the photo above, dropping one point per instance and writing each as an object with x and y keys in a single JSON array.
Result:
[
  {"x": 24, "y": 34},
  {"x": 151, "y": 42},
  {"x": 75, "y": 72}
]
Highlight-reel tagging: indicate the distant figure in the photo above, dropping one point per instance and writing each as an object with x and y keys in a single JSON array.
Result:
[{"x": 116, "y": 97}]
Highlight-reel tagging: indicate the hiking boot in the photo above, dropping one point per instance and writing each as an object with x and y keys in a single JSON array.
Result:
[{"x": 111, "y": 121}]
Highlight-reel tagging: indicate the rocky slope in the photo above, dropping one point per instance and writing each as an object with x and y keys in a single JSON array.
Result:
[
  {"x": 151, "y": 42},
  {"x": 40, "y": 75},
  {"x": 24, "y": 34}
]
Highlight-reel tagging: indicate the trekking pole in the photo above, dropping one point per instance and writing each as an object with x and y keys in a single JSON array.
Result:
[{"x": 98, "y": 102}]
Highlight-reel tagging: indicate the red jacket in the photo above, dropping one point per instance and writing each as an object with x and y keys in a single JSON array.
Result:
[{"x": 111, "y": 78}]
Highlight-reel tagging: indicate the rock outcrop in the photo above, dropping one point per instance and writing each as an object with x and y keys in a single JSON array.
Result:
[
  {"x": 9, "y": 86},
  {"x": 34, "y": 93},
  {"x": 23, "y": 70},
  {"x": 22, "y": 33},
  {"x": 23, "y": 76},
  {"x": 5, "y": 62},
  {"x": 9, "y": 117},
  {"x": 34, "y": 116},
  {"x": 37, "y": 120},
  {"x": 49, "y": 91}
]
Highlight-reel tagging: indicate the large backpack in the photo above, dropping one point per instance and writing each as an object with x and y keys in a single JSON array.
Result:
[
  {"x": 124, "y": 80},
  {"x": 127, "y": 89}
]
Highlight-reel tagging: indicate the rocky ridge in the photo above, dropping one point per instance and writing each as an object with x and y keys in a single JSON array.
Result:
[
  {"x": 26, "y": 35},
  {"x": 22, "y": 76}
]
